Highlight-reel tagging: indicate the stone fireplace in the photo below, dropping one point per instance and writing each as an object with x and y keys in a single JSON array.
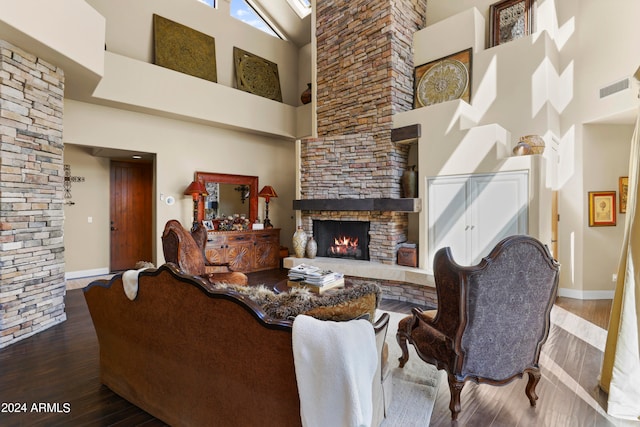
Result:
[
  {"x": 342, "y": 239},
  {"x": 352, "y": 170}
]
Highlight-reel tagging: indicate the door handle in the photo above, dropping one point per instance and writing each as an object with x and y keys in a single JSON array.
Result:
[{"x": 113, "y": 228}]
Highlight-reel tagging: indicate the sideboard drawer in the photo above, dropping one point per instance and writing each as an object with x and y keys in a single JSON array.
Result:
[{"x": 233, "y": 238}]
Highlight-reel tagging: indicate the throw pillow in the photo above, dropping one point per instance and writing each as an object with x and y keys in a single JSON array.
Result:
[{"x": 342, "y": 304}]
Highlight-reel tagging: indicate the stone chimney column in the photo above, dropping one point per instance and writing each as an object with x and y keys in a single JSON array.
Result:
[
  {"x": 32, "y": 285},
  {"x": 364, "y": 76}
]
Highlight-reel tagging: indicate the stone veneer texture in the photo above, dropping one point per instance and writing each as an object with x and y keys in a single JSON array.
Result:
[
  {"x": 364, "y": 76},
  {"x": 32, "y": 285},
  {"x": 401, "y": 291}
]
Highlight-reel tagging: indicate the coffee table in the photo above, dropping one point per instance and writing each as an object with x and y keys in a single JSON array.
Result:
[{"x": 282, "y": 286}]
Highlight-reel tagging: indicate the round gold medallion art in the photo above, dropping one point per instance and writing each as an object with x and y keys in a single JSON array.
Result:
[
  {"x": 445, "y": 81},
  {"x": 259, "y": 78}
]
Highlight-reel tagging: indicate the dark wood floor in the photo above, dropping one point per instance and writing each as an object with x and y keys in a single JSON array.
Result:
[{"x": 59, "y": 367}]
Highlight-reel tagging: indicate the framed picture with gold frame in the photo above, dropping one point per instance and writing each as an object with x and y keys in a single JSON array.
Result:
[
  {"x": 509, "y": 20},
  {"x": 602, "y": 208},
  {"x": 444, "y": 79},
  {"x": 623, "y": 183}
]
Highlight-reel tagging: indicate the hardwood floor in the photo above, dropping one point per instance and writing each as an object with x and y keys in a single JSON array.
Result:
[{"x": 59, "y": 367}]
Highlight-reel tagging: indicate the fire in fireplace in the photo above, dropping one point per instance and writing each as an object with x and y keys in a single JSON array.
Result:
[
  {"x": 345, "y": 246},
  {"x": 342, "y": 239}
]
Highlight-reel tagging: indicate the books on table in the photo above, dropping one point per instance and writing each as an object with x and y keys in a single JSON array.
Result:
[
  {"x": 314, "y": 278},
  {"x": 338, "y": 283}
]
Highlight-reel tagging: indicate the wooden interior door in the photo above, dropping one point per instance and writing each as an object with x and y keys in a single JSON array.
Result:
[{"x": 131, "y": 214}]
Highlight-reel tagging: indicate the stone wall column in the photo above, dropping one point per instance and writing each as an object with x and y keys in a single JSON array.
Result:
[
  {"x": 32, "y": 285},
  {"x": 364, "y": 76}
]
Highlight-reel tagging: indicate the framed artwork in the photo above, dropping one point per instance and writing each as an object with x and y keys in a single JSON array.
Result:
[
  {"x": 444, "y": 79},
  {"x": 623, "y": 183},
  {"x": 602, "y": 208},
  {"x": 256, "y": 75},
  {"x": 208, "y": 224},
  {"x": 184, "y": 49},
  {"x": 509, "y": 20}
]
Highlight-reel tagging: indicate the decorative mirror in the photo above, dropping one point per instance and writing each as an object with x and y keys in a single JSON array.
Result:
[{"x": 228, "y": 195}]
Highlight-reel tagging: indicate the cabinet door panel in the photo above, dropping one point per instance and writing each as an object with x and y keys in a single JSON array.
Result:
[
  {"x": 447, "y": 221},
  {"x": 240, "y": 257},
  {"x": 267, "y": 250},
  {"x": 267, "y": 256},
  {"x": 472, "y": 213},
  {"x": 216, "y": 255},
  {"x": 498, "y": 208}
]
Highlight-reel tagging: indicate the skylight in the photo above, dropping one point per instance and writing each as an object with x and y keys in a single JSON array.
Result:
[
  {"x": 301, "y": 7},
  {"x": 211, "y": 3},
  {"x": 245, "y": 12}
]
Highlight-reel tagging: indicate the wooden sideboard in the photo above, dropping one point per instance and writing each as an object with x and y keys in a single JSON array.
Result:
[{"x": 245, "y": 251}]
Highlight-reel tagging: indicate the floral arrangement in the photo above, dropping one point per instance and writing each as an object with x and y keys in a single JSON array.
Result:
[{"x": 234, "y": 223}]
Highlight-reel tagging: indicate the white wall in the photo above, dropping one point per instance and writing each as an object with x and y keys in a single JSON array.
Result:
[
  {"x": 547, "y": 84},
  {"x": 90, "y": 200},
  {"x": 130, "y": 33},
  {"x": 606, "y": 159},
  {"x": 181, "y": 148}
]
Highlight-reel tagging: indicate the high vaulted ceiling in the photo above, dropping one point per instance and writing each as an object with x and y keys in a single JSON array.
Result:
[{"x": 295, "y": 29}]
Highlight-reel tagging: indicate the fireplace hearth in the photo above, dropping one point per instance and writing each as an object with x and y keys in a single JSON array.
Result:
[{"x": 342, "y": 239}]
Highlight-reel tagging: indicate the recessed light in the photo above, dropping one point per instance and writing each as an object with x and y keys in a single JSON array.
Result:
[{"x": 136, "y": 157}]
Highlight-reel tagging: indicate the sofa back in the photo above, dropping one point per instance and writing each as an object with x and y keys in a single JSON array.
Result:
[{"x": 192, "y": 356}]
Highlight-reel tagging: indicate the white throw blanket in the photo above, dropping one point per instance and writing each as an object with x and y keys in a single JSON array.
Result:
[
  {"x": 130, "y": 282},
  {"x": 335, "y": 367}
]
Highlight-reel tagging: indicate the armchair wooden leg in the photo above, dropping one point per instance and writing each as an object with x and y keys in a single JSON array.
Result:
[
  {"x": 455, "y": 387},
  {"x": 534, "y": 378},
  {"x": 401, "y": 337}
]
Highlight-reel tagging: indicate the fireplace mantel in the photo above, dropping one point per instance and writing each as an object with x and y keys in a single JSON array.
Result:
[{"x": 384, "y": 205}]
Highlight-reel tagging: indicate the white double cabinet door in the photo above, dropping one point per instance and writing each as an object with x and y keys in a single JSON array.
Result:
[{"x": 472, "y": 213}]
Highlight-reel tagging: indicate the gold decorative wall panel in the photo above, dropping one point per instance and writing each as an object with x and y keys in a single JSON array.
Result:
[
  {"x": 256, "y": 75},
  {"x": 184, "y": 49}
]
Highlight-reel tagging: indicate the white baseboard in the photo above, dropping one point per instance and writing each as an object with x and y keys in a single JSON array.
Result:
[
  {"x": 585, "y": 295},
  {"x": 86, "y": 273}
]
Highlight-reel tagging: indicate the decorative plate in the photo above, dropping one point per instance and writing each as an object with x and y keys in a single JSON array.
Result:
[{"x": 445, "y": 81}]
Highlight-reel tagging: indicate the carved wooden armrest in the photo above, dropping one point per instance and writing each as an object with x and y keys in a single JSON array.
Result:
[{"x": 423, "y": 320}]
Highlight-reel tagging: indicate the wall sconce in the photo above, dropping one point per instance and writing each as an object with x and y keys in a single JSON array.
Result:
[
  {"x": 195, "y": 190},
  {"x": 267, "y": 192}
]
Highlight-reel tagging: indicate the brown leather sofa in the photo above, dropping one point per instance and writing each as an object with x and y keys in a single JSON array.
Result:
[{"x": 191, "y": 355}]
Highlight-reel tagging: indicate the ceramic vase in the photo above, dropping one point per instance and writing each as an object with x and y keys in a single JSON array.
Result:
[
  {"x": 312, "y": 248},
  {"x": 410, "y": 183},
  {"x": 305, "y": 97},
  {"x": 522, "y": 149},
  {"x": 299, "y": 242}
]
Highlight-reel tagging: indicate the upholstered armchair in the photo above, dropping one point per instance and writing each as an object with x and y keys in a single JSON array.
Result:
[
  {"x": 187, "y": 251},
  {"x": 492, "y": 318}
]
